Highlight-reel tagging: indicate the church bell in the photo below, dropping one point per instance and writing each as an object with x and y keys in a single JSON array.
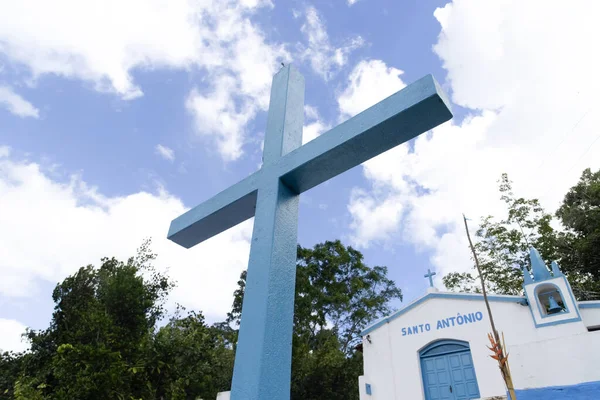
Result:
[{"x": 554, "y": 307}]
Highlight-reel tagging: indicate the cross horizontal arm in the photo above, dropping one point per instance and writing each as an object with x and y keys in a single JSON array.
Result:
[
  {"x": 221, "y": 212},
  {"x": 415, "y": 109},
  {"x": 395, "y": 120}
]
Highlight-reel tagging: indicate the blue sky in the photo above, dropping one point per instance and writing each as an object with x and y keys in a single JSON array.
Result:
[{"x": 116, "y": 119}]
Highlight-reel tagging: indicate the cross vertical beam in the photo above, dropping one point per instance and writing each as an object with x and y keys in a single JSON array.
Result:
[{"x": 262, "y": 367}]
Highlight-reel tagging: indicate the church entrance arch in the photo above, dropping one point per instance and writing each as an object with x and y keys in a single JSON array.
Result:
[{"x": 448, "y": 371}]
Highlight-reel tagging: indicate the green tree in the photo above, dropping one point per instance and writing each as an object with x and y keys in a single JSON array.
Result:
[
  {"x": 103, "y": 342},
  {"x": 337, "y": 296},
  {"x": 503, "y": 245},
  {"x": 104, "y": 320},
  {"x": 580, "y": 214},
  {"x": 10, "y": 367},
  {"x": 320, "y": 370},
  {"x": 101, "y": 333},
  {"x": 193, "y": 360}
]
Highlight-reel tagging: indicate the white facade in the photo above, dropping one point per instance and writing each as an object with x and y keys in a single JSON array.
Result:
[{"x": 548, "y": 346}]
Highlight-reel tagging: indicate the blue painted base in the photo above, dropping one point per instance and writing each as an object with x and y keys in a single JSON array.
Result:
[{"x": 582, "y": 391}]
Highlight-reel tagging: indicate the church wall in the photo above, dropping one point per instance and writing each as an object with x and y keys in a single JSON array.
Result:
[
  {"x": 378, "y": 360},
  {"x": 392, "y": 365},
  {"x": 403, "y": 361},
  {"x": 561, "y": 361}
]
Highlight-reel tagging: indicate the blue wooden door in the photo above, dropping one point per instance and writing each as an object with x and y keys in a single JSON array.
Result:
[
  {"x": 436, "y": 378},
  {"x": 464, "y": 383},
  {"x": 448, "y": 372}
]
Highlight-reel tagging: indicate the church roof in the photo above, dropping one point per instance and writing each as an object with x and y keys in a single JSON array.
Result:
[{"x": 443, "y": 295}]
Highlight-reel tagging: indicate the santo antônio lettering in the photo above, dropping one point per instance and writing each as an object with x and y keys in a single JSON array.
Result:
[{"x": 459, "y": 319}]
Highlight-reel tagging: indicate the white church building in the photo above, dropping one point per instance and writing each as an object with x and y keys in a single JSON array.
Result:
[{"x": 436, "y": 347}]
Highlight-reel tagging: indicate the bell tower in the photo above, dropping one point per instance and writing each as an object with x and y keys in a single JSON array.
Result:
[{"x": 549, "y": 294}]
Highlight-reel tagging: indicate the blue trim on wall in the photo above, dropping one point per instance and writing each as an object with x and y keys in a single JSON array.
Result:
[
  {"x": 553, "y": 323},
  {"x": 582, "y": 391},
  {"x": 572, "y": 296},
  {"x": 530, "y": 306},
  {"x": 459, "y": 296},
  {"x": 595, "y": 304},
  {"x": 368, "y": 388}
]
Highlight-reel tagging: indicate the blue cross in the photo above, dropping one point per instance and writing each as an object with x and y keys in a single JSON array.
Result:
[
  {"x": 262, "y": 367},
  {"x": 429, "y": 275}
]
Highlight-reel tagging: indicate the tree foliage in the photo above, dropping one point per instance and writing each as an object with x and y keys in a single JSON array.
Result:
[
  {"x": 10, "y": 367},
  {"x": 192, "y": 359},
  {"x": 580, "y": 214},
  {"x": 102, "y": 342},
  {"x": 321, "y": 370},
  {"x": 503, "y": 245},
  {"x": 101, "y": 331},
  {"x": 105, "y": 340}
]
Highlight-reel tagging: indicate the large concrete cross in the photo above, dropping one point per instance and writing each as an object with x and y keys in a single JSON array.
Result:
[{"x": 262, "y": 367}]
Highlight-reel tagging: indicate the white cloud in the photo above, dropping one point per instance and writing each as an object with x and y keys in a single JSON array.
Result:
[
  {"x": 17, "y": 104},
  {"x": 401, "y": 179},
  {"x": 369, "y": 82},
  {"x": 315, "y": 127},
  {"x": 372, "y": 218},
  {"x": 70, "y": 37},
  {"x": 165, "y": 152},
  {"x": 311, "y": 112},
  {"x": 312, "y": 130},
  {"x": 73, "y": 215},
  {"x": 217, "y": 116},
  {"x": 103, "y": 43},
  {"x": 10, "y": 336},
  {"x": 324, "y": 58},
  {"x": 534, "y": 115},
  {"x": 4, "y": 151},
  {"x": 352, "y": 2}
]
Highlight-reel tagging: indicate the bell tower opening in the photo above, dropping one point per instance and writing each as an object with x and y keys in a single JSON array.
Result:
[{"x": 550, "y": 299}]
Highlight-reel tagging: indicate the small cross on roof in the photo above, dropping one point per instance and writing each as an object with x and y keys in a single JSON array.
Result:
[{"x": 430, "y": 275}]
